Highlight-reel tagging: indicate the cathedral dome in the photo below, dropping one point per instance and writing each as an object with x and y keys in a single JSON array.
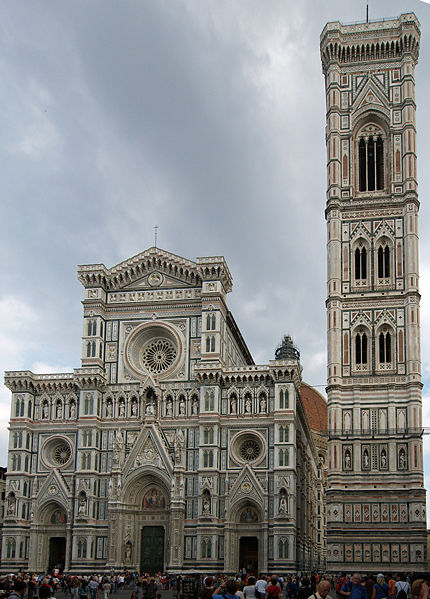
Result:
[{"x": 315, "y": 407}]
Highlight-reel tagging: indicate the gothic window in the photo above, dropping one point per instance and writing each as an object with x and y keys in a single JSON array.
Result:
[
  {"x": 360, "y": 263},
  {"x": 206, "y": 548},
  {"x": 91, "y": 328},
  {"x": 208, "y": 458},
  {"x": 210, "y": 322},
  {"x": 371, "y": 161},
  {"x": 283, "y": 434},
  {"x": 29, "y": 409},
  {"x": 88, "y": 404},
  {"x": 10, "y": 548},
  {"x": 284, "y": 399},
  {"x": 82, "y": 548},
  {"x": 384, "y": 340},
  {"x": 209, "y": 401},
  {"x": 361, "y": 348},
  {"x": 283, "y": 548},
  {"x": 26, "y": 463},
  {"x": 383, "y": 262},
  {"x": 283, "y": 457},
  {"x": 208, "y": 435}
]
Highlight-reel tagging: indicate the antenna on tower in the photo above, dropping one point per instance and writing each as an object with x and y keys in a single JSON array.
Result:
[
  {"x": 367, "y": 13},
  {"x": 155, "y": 235}
]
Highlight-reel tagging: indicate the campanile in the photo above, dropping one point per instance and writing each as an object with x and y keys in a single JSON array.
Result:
[{"x": 376, "y": 517}]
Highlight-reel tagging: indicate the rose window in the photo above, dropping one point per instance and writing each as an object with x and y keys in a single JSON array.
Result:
[
  {"x": 56, "y": 452},
  {"x": 61, "y": 454},
  {"x": 158, "y": 355},
  {"x": 249, "y": 450}
]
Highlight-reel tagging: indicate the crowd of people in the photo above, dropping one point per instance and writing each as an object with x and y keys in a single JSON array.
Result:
[{"x": 242, "y": 586}]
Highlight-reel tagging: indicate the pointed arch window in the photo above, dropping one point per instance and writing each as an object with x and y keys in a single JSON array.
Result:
[
  {"x": 361, "y": 348},
  {"x": 360, "y": 263},
  {"x": 283, "y": 548},
  {"x": 206, "y": 548},
  {"x": 383, "y": 262},
  {"x": 371, "y": 161},
  {"x": 384, "y": 347}
]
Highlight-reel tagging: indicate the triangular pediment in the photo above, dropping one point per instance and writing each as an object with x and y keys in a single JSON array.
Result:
[
  {"x": 370, "y": 96},
  {"x": 149, "y": 450},
  {"x": 246, "y": 486},
  {"x": 154, "y": 268},
  {"x": 54, "y": 488}
]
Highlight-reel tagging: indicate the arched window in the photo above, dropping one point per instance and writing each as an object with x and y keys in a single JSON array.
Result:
[
  {"x": 361, "y": 348},
  {"x": 383, "y": 262},
  {"x": 360, "y": 263},
  {"x": 208, "y": 459},
  {"x": 283, "y": 457},
  {"x": 384, "y": 347},
  {"x": 283, "y": 548},
  {"x": 371, "y": 162},
  {"x": 208, "y": 435},
  {"x": 283, "y": 434},
  {"x": 82, "y": 548},
  {"x": 206, "y": 548}
]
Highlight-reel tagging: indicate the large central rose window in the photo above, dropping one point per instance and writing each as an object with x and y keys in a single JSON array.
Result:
[
  {"x": 153, "y": 348},
  {"x": 158, "y": 355}
]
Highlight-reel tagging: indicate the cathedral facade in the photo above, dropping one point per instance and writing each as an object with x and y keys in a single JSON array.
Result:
[
  {"x": 376, "y": 512},
  {"x": 168, "y": 449}
]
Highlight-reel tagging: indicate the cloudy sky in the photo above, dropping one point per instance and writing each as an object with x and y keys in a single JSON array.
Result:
[{"x": 205, "y": 117}]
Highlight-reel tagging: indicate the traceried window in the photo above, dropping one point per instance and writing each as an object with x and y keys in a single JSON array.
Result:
[
  {"x": 283, "y": 548},
  {"x": 283, "y": 434},
  {"x": 210, "y": 322},
  {"x": 384, "y": 347},
  {"x": 82, "y": 548},
  {"x": 383, "y": 260},
  {"x": 360, "y": 263},
  {"x": 361, "y": 348},
  {"x": 283, "y": 457},
  {"x": 91, "y": 328},
  {"x": 371, "y": 158},
  {"x": 209, "y": 401},
  {"x": 208, "y": 435},
  {"x": 206, "y": 548},
  {"x": 208, "y": 459},
  {"x": 284, "y": 399}
]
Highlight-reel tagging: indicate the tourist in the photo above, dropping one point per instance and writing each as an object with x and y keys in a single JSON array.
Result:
[
  {"x": 260, "y": 587},
  {"x": 381, "y": 589},
  {"x": 420, "y": 589},
  {"x": 249, "y": 589},
  {"x": 323, "y": 589},
  {"x": 353, "y": 588}
]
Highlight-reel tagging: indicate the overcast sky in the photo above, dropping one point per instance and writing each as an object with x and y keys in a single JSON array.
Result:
[{"x": 203, "y": 117}]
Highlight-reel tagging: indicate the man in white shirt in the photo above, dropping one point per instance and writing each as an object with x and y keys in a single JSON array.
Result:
[{"x": 260, "y": 587}]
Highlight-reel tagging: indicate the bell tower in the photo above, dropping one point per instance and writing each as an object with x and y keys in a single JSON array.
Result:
[{"x": 376, "y": 517}]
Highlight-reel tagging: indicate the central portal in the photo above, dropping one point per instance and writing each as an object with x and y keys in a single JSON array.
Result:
[
  {"x": 248, "y": 554},
  {"x": 57, "y": 553},
  {"x": 152, "y": 554}
]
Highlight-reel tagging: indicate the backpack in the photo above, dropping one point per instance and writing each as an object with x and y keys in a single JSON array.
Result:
[{"x": 402, "y": 594}]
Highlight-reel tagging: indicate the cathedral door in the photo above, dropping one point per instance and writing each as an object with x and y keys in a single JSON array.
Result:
[
  {"x": 152, "y": 554},
  {"x": 57, "y": 553},
  {"x": 248, "y": 554}
]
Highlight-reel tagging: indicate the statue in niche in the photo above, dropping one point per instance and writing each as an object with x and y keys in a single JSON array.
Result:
[
  {"x": 134, "y": 408},
  {"x": 248, "y": 405},
  {"x": 195, "y": 406},
  {"x": 128, "y": 551},
  {"x": 82, "y": 505},
  {"x": 263, "y": 404},
  {"x": 59, "y": 411},
  {"x": 366, "y": 459},
  {"x": 118, "y": 445},
  {"x": 11, "y": 507},
  {"x": 45, "y": 410},
  {"x": 182, "y": 407},
  {"x": 179, "y": 445},
  {"x": 402, "y": 458},
  {"x": 150, "y": 408},
  {"x": 109, "y": 409},
  {"x": 206, "y": 503},
  {"x": 169, "y": 408},
  {"x": 283, "y": 502},
  {"x": 347, "y": 460},
  {"x": 383, "y": 459},
  {"x": 233, "y": 405},
  {"x": 121, "y": 412},
  {"x": 72, "y": 410},
  {"x": 347, "y": 422}
]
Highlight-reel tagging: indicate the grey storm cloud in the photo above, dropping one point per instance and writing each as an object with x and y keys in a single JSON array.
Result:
[{"x": 204, "y": 117}]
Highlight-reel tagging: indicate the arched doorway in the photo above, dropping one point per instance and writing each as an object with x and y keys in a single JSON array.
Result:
[
  {"x": 145, "y": 543},
  {"x": 245, "y": 539},
  {"x": 51, "y": 536}
]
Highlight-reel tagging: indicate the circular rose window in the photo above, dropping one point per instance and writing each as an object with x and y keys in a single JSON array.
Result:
[
  {"x": 56, "y": 452},
  {"x": 158, "y": 355},
  {"x": 154, "y": 348},
  {"x": 247, "y": 447},
  {"x": 249, "y": 450}
]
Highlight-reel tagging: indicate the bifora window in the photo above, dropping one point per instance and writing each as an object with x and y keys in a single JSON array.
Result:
[
  {"x": 361, "y": 348},
  {"x": 371, "y": 158}
]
